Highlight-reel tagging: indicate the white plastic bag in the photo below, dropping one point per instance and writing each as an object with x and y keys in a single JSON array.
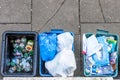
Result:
[
  {"x": 63, "y": 64},
  {"x": 65, "y": 40}
]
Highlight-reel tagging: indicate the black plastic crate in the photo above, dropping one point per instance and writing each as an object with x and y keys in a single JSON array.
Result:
[{"x": 7, "y": 49}]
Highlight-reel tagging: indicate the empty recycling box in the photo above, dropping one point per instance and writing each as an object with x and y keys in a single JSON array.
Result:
[
  {"x": 56, "y": 53},
  {"x": 19, "y": 53},
  {"x": 100, "y": 54}
]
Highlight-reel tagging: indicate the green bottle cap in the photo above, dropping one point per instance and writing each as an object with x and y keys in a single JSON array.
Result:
[
  {"x": 87, "y": 71},
  {"x": 15, "y": 50},
  {"x": 25, "y": 55},
  {"x": 19, "y": 48},
  {"x": 31, "y": 53},
  {"x": 30, "y": 42},
  {"x": 19, "y": 69},
  {"x": 12, "y": 64}
]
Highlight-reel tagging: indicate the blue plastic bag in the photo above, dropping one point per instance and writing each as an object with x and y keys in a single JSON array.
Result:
[{"x": 48, "y": 47}]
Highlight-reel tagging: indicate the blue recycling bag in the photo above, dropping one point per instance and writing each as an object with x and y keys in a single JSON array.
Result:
[{"x": 48, "y": 46}]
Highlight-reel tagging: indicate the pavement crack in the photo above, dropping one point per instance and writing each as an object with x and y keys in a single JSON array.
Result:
[
  {"x": 101, "y": 10},
  {"x": 79, "y": 16},
  {"x": 31, "y": 13},
  {"x": 58, "y": 9}
]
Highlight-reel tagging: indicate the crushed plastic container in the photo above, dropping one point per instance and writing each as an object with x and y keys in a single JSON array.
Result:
[
  {"x": 15, "y": 62},
  {"x": 103, "y": 43},
  {"x": 42, "y": 70}
]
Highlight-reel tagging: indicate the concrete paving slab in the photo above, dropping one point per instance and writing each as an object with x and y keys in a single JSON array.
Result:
[
  {"x": 55, "y": 14},
  {"x": 111, "y": 10},
  {"x": 15, "y": 11},
  {"x": 78, "y": 71},
  {"x": 12, "y": 27},
  {"x": 90, "y": 11}
]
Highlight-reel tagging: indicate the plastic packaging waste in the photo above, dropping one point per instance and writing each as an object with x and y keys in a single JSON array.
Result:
[
  {"x": 19, "y": 62},
  {"x": 92, "y": 45},
  {"x": 100, "y": 55},
  {"x": 105, "y": 55},
  {"x": 106, "y": 69},
  {"x": 84, "y": 50},
  {"x": 113, "y": 57},
  {"x": 65, "y": 40},
  {"x": 113, "y": 43},
  {"x": 63, "y": 64},
  {"x": 48, "y": 46}
]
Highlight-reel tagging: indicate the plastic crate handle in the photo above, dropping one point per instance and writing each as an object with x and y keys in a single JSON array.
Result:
[
  {"x": 102, "y": 31},
  {"x": 57, "y": 30}
]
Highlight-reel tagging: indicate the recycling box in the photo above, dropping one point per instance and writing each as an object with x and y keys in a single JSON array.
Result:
[
  {"x": 19, "y": 53},
  {"x": 100, "y": 52},
  {"x": 42, "y": 69}
]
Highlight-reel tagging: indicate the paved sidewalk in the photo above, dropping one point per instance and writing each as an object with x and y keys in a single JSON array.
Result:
[{"x": 78, "y": 16}]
